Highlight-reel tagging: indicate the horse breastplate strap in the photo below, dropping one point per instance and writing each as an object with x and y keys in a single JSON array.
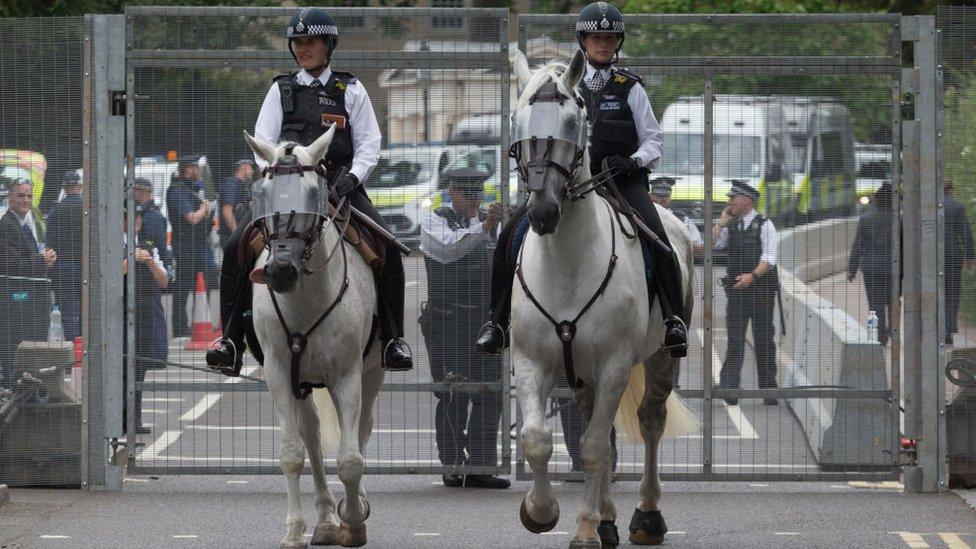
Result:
[{"x": 566, "y": 330}]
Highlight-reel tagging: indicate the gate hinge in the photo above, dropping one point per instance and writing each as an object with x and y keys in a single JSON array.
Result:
[{"x": 118, "y": 102}]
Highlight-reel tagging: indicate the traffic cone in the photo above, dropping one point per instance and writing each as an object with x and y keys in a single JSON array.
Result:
[
  {"x": 76, "y": 369},
  {"x": 203, "y": 330}
]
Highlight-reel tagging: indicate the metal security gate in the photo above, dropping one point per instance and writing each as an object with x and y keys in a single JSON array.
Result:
[
  {"x": 809, "y": 109},
  {"x": 439, "y": 83}
]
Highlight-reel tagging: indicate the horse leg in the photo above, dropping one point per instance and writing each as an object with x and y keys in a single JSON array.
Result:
[
  {"x": 292, "y": 455},
  {"x": 372, "y": 382},
  {"x": 540, "y": 510},
  {"x": 647, "y": 526},
  {"x": 607, "y": 530},
  {"x": 327, "y": 523},
  {"x": 601, "y": 408},
  {"x": 353, "y": 509}
]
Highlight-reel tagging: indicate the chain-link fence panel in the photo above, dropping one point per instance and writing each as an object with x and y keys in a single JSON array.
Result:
[
  {"x": 795, "y": 378},
  {"x": 957, "y": 40},
  {"x": 437, "y": 81}
]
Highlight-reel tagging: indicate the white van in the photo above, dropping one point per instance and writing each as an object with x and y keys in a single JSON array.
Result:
[
  {"x": 749, "y": 143},
  {"x": 480, "y": 129}
]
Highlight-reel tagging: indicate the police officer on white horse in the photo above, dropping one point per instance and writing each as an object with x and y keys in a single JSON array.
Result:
[
  {"x": 625, "y": 133},
  {"x": 299, "y": 108}
]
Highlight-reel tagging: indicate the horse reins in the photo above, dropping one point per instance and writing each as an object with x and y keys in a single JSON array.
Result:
[{"x": 566, "y": 330}]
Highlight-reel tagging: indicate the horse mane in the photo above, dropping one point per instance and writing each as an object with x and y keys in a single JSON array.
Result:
[{"x": 552, "y": 70}]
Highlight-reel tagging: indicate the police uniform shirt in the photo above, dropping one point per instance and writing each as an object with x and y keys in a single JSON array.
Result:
[
  {"x": 362, "y": 122},
  {"x": 693, "y": 233},
  {"x": 443, "y": 244},
  {"x": 767, "y": 234},
  {"x": 648, "y": 130}
]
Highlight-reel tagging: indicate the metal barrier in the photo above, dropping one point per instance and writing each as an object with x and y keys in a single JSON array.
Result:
[
  {"x": 438, "y": 81},
  {"x": 766, "y": 99}
]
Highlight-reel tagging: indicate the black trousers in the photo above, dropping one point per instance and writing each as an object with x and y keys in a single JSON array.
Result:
[
  {"x": 466, "y": 424},
  {"x": 236, "y": 292},
  {"x": 877, "y": 286},
  {"x": 634, "y": 189},
  {"x": 755, "y": 304},
  {"x": 953, "y": 288},
  {"x": 574, "y": 425}
]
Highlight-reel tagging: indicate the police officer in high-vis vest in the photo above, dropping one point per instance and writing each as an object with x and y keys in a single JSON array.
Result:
[
  {"x": 625, "y": 134},
  {"x": 457, "y": 243},
  {"x": 750, "y": 284},
  {"x": 299, "y": 108}
]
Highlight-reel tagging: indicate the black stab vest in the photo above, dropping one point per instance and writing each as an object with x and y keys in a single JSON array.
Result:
[
  {"x": 463, "y": 282},
  {"x": 614, "y": 131},
  {"x": 303, "y": 107},
  {"x": 745, "y": 247}
]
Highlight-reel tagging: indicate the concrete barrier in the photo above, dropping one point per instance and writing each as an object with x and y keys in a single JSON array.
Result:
[{"x": 827, "y": 348}]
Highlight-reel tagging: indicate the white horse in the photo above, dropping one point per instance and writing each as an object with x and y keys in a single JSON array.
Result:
[
  {"x": 310, "y": 270},
  {"x": 616, "y": 344}
]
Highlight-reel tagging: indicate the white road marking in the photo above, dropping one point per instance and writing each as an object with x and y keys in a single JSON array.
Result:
[
  {"x": 153, "y": 450},
  {"x": 54, "y": 536},
  {"x": 786, "y": 533},
  {"x": 914, "y": 541},
  {"x": 555, "y": 533},
  {"x": 426, "y": 534},
  {"x": 209, "y": 399},
  {"x": 678, "y": 532},
  {"x": 236, "y": 482},
  {"x": 154, "y": 411},
  {"x": 953, "y": 541},
  {"x": 185, "y": 536},
  {"x": 128, "y": 479},
  {"x": 759, "y": 485},
  {"x": 738, "y": 419},
  {"x": 162, "y": 399}
]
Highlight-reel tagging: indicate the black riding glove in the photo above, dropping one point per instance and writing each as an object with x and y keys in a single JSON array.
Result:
[
  {"x": 346, "y": 184},
  {"x": 622, "y": 164}
]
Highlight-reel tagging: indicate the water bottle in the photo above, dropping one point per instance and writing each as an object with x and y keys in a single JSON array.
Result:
[
  {"x": 872, "y": 327},
  {"x": 55, "y": 333}
]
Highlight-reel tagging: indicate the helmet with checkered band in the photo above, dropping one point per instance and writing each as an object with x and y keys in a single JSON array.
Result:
[
  {"x": 310, "y": 22},
  {"x": 600, "y": 17}
]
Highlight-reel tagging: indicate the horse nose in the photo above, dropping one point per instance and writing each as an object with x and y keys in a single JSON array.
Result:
[
  {"x": 282, "y": 275},
  {"x": 544, "y": 217}
]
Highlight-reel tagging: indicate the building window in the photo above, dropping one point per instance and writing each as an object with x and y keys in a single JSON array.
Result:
[{"x": 447, "y": 22}]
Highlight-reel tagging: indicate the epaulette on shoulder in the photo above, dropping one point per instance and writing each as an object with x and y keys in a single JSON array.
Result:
[
  {"x": 345, "y": 77},
  {"x": 280, "y": 76},
  {"x": 627, "y": 73}
]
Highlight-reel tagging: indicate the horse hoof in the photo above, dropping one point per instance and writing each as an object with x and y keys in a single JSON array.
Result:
[
  {"x": 341, "y": 507},
  {"x": 325, "y": 534},
  {"x": 608, "y": 533},
  {"x": 352, "y": 535},
  {"x": 294, "y": 545},
  {"x": 533, "y": 526},
  {"x": 647, "y": 528},
  {"x": 585, "y": 544}
]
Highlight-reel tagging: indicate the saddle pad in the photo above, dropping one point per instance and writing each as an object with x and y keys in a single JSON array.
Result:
[{"x": 522, "y": 228}]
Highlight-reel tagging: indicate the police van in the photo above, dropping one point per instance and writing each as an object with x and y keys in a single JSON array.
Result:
[
  {"x": 873, "y": 168},
  {"x": 749, "y": 143},
  {"x": 823, "y": 168}
]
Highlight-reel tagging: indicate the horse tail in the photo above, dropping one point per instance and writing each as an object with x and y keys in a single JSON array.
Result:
[
  {"x": 329, "y": 432},
  {"x": 680, "y": 419}
]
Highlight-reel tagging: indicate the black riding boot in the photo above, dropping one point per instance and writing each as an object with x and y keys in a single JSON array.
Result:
[
  {"x": 493, "y": 336},
  {"x": 226, "y": 355},
  {"x": 667, "y": 272}
]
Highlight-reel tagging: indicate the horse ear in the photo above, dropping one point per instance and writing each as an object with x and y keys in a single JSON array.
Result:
[
  {"x": 320, "y": 146},
  {"x": 521, "y": 66},
  {"x": 265, "y": 151},
  {"x": 577, "y": 67}
]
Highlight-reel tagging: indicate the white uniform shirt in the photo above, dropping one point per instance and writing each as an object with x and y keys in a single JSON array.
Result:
[
  {"x": 445, "y": 245},
  {"x": 693, "y": 233},
  {"x": 648, "y": 130},
  {"x": 366, "y": 136},
  {"x": 767, "y": 234}
]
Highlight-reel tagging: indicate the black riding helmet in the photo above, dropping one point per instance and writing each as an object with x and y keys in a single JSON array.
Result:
[
  {"x": 311, "y": 22},
  {"x": 600, "y": 17}
]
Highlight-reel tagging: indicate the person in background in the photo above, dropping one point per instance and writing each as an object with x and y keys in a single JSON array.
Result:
[
  {"x": 958, "y": 252},
  {"x": 189, "y": 214},
  {"x": 151, "y": 279},
  {"x": 661, "y": 195},
  {"x": 871, "y": 254},
  {"x": 457, "y": 243},
  {"x": 235, "y": 198},
  {"x": 21, "y": 254},
  {"x": 64, "y": 235}
]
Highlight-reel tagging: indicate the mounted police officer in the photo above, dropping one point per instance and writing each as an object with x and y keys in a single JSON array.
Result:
[
  {"x": 750, "y": 284},
  {"x": 457, "y": 241},
  {"x": 299, "y": 108},
  {"x": 625, "y": 133}
]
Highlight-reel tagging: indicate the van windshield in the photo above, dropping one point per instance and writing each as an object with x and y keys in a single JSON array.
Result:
[
  {"x": 402, "y": 167},
  {"x": 735, "y": 155}
]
